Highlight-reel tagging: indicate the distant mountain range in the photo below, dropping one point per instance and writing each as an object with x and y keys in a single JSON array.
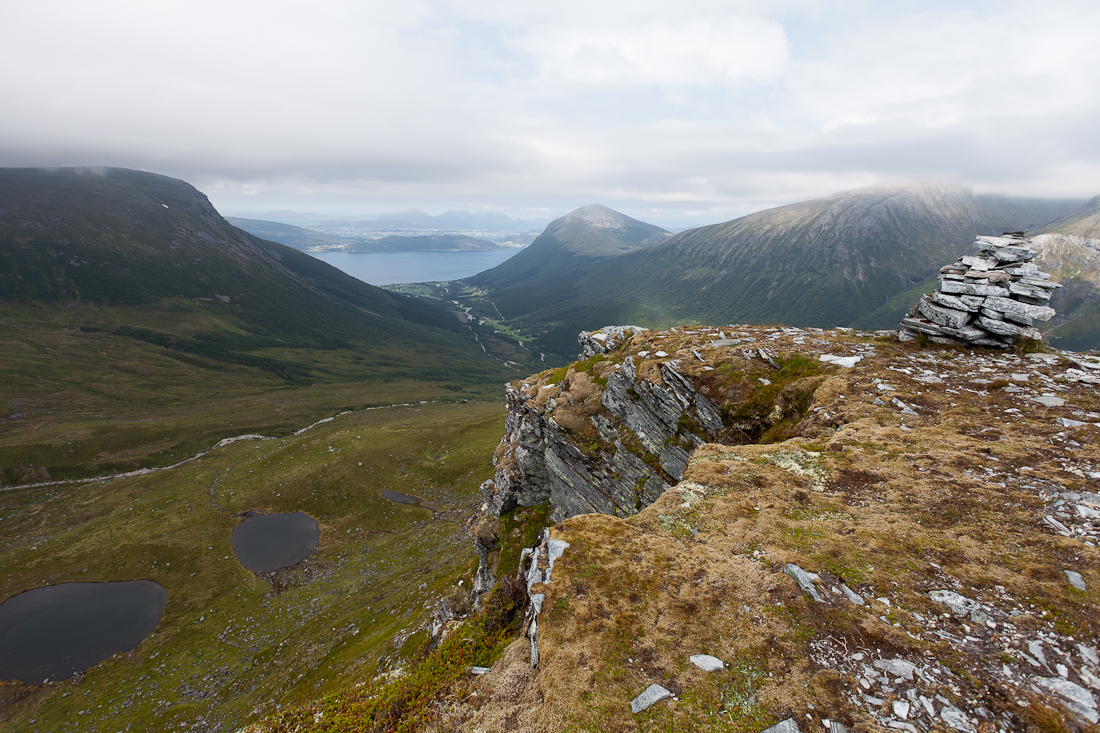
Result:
[
  {"x": 147, "y": 257},
  {"x": 410, "y": 219},
  {"x": 310, "y": 240},
  {"x": 839, "y": 260}
]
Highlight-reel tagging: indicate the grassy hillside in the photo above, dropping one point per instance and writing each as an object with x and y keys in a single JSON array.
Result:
[
  {"x": 232, "y": 645},
  {"x": 130, "y": 308},
  {"x": 138, "y": 330}
]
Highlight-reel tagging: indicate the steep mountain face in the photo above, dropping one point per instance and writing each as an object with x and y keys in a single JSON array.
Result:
[
  {"x": 1083, "y": 223},
  {"x": 549, "y": 269},
  {"x": 144, "y": 252},
  {"x": 824, "y": 262}
]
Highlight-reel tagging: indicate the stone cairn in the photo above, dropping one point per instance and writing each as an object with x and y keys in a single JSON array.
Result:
[{"x": 990, "y": 299}]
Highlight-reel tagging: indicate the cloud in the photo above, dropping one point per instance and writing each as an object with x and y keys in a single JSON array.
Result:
[{"x": 713, "y": 107}]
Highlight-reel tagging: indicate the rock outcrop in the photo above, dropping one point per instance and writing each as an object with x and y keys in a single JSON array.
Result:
[
  {"x": 993, "y": 299},
  {"x": 923, "y": 562}
]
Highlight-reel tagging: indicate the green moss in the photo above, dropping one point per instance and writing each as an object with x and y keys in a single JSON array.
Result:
[{"x": 519, "y": 529}]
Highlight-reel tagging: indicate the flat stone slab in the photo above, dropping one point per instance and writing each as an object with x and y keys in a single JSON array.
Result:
[
  {"x": 652, "y": 695},
  {"x": 1075, "y": 579},
  {"x": 844, "y": 361},
  {"x": 787, "y": 726},
  {"x": 896, "y": 668},
  {"x": 1049, "y": 400},
  {"x": 707, "y": 663}
]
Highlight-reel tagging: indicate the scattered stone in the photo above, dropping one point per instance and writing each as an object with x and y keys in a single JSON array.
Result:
[
  {"x": 1049, "y": 400},
  {"x": 896, "y": 668},
  {"x": 790, "y": 725},
  {"x": 1075, "y": 579},
  {"x": 958, "y": 605},
  {"x": 480, "y": 670},
  {"x": 1065, "y": 422},
  {"x": 844, "y": 361},
  {"x": 851, "y": 595},
  {"x": 652, "y": 695},
  {"x": 706, "y": 662},
  {"x": 805, "y": 580},
  {"x": 1079, "y": 700}
]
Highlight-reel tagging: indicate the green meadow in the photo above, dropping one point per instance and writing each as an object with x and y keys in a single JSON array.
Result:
[
  {"x": 231, "y": 644},
  {"x": 81, "y": 402}
]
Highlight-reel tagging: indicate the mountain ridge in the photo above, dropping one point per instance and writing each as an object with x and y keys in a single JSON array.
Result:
[{"x": 829, "y": 261}]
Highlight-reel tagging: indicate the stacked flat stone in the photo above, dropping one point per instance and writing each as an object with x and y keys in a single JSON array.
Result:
[{"x": 990, "y": 299}]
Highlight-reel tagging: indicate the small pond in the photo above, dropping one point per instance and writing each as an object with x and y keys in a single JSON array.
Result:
[
  {"x": 263, "y": 543},
  {"x": 52, "y": 632},
  {"x": 399, "y": 497}
]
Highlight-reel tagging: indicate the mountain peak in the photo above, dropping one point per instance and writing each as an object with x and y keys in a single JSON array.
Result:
[{"x": 597, "y": 230}]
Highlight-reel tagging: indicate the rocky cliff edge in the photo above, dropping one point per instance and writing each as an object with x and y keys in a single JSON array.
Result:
[{"x": 850, "y": 533}]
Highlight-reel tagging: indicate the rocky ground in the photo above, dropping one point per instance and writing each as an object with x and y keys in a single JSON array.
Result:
[{"x": 877, "y": 536}]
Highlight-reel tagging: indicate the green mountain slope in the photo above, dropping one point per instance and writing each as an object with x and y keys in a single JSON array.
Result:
[
  {"x": 98, "y": 242},
  {"x": 139, "y": 326},
  {"x": 549, "y": 269},
  {"x": 829, "y": 261}
]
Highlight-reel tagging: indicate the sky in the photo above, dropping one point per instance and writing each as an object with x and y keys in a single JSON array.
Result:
[{"x": 675, "y": 113}]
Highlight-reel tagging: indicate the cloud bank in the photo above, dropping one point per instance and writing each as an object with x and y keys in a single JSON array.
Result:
[{"x": 691, "y": 115}]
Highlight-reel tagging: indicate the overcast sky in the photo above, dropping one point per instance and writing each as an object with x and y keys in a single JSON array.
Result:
[{"x": 676, "y": 113}]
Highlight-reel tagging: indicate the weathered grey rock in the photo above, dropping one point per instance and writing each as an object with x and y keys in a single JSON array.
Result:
[
  {"x": 957, "y": 719},
  {"x": 896, "y": 668},
  {"x": 907, "y": 334},
  {"x": 957, "y": 604},
  {"x": 652, "y": 695},
  {"x": 790, "y": 725},
  {"x": 1049, "y": 400},
  {"x": 1075, "y": 579},
  {"x": 1077, "y": 699},
  {"x": 1014, "y": 308},
  {"x": 1035, "y": 282},
  {"x": 1066, "y": 422},
  {"x": 972, "y": 288},
  {"x": 706, "y": 662},
  {"x": 1004, "y": 328},
  {"x": 978, "y": 263},
  {"x": 1014, "y": 254},
  {"x": 1041, "y": 294},
  {"x": 956, "y": 302},
  {"x": 851, "y": 595},
  {"x": 606, "y": 339},
  {"x": 844, "y": 361},
  {"x": 993, "y": 276},
  {"x": 805, "y": 580},
  {"x": 966, "y": 333},
  {"x": 942, "y": 316}
]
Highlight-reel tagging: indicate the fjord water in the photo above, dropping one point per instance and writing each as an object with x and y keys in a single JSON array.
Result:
[
  {"x": 389, "y": 268},
  {"x": 52, "y": 632},
  {"x": 263, "y": 543}
]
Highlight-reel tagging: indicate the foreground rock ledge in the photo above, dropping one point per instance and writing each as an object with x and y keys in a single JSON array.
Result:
[{"x": 954, "y": 527}]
